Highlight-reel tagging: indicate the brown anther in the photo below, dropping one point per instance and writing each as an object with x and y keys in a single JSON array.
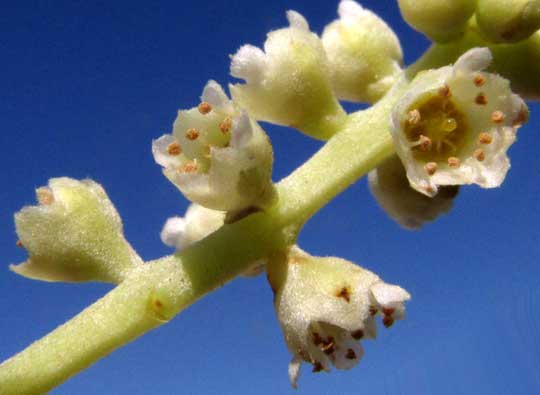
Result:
[
  {"x": 498, "y": 116},
  {"x": 44, "y": 196},
  {"x": 424, "y": 143},
  {"x": 445, "y": 91},
  {"x": 158, "y": 303},
  {"x": 373, "y": 310},
  {"x": 479, "y": 80},
  {"x": 388, "y": 310},
  {"x": 521, "y": 118},
  {"x": 226, "y": 125},
  {"x": 388, "y": 321},
  {"x": 413, "y": 117},
  {"x": 174, "y": 149},
  {"x": 430, "y": 168},
  {"x": 204, "y": 108},
  {"x": 192, "y": 134},
  {"x": 19, "y": 244},
  {"x": 345, "y": 294},
  {"x": 429, "y": 189},
  {"x": 329, "y": 348},
  {"x": 485, "y": 138},
  {"x": 481, "y": 99},
  {"x": 357, "y": 334},
  {"x": 350, "y": 354},
  {"x": 479, "y": 154},
  {"x": 453, "y": 162},
  {"x": 189, "y": 167},
  {"x": 317, "y": 367},
  {"x": 317, "y": 339}
]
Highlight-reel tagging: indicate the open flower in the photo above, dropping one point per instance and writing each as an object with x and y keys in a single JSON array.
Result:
[
  {"x": 74, "y": 234},
  {"x": 217, "y": 156},
  {"x": 326, "y": 305},
  {"x": 455, "y": 124},
  {"x": 289, "y": 82},
  {"x": 411, "y": 209},
  {"x": 364, "y": 54}
]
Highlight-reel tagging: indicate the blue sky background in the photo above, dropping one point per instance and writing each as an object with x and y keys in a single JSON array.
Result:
[{"x": 86, "y": 85}]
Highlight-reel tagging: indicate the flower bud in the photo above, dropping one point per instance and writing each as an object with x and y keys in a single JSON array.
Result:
[
  {"x": 455, "y": 124},
  {"x": 217, "y": 156},
  {"x": 440, "y": 20},
  {"x": 411, "y": 209},
  {"x": 325, "y": 305},
  {"x": 74, "y": 234},
  {"x": 364, "y": 54},
  {"x": 508, "y": 21},
  {"x": 197, "y": 223},
  {"x": 288, "y": 83}
]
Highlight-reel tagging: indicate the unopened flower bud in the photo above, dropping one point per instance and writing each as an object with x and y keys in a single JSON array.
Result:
[
  {"x": 289, "y": 82},
  {"x": 508, "y": 21},
  {"x": 326, "y": 305},
  {"x": 197, "y": 223},
  {"x": 411, "y": 209},
  {"x": 217, "y": 156},
  {"x": 440, "y": 20},
  {"x": 364, "y": 54},
  {"x": 74, "y": 234},
  {"x": 455, "y": 124}
]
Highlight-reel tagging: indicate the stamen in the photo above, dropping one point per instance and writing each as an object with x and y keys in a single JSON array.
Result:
[
  {"x": 521, "y": 118},
  {"x": 481, "y": 99},
  {"x": 19, "y": 244},
  {"x": 192, "y": 134},
  {"x": 423, "y": 143},
  {"x": 357, "y": 334},
  {"x": 44, "y": 196},
  {"x": 226, "y": 125},
  {"x": 445, "y": 91},
  {"x": 344, "y": 293},
  {"x": 498, "y": 116},
  {"x": 317, "y": 367},
  {"x": 453, "y": 162},
  {"x": 350, "y": 354},
  {"x": 189, "y": 167},
  {"x": 479, "y": 155},
  {"x": 430, "y": 168},
  {"x": 485, "y": 138},
  {"x": 479, "y": 80},
  {"x": 317, "y": 339},
  {"x": 174, "y": 149},
  {"x": 413, "y": 117},
  {"x": 388, "y": 321},
  {"x": 204, "y": 108},
  {"x": 329, "y": 347}
]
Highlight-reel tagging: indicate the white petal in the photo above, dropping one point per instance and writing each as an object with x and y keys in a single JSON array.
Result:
[
  {"x": 241, "y": 132},
  {"x": 349, "y": 9},
  {"x": 294, "y": 370},
  {"x": 475, "y": 59},
  {"x": 297, "y": 20},
  {"x": 387, "y": 294},
  {"x": 213, "y": 93},
  {"x": 173, "y": 232},
  {"x": 349, "y": 353},
  {"x": 249, "y": 64},
  {"x": 159, "y": 150}
]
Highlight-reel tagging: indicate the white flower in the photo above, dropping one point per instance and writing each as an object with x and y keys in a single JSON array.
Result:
[
  {"x": 455, "y": 124},
  {"x": 197, "y": 223},
  {"x": 75, "y": 234},
  {"x": 363, "y": 52},
  {"x": 217, "y": 156},
  {"x": 325, "y": 305},
  {"x": 289, "y": 82},
  {"x": 411, "y": 209}
]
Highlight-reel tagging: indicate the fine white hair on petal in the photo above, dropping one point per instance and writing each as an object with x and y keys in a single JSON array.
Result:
[
  {"x": 173, "y": 231},
  {"x": 213, "y": 94},
  {"x": 387, "y": 294},
  {"x": 475, "y": 59},
  {"x": 294, "y": 370},
  {"x": 159, "y": 150},
  {"x": 242, "y": 132},
  {"x": 297, "y": 20},
  {"x": 249, "y": 64},
  {"x": 349, "y": 8}
]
